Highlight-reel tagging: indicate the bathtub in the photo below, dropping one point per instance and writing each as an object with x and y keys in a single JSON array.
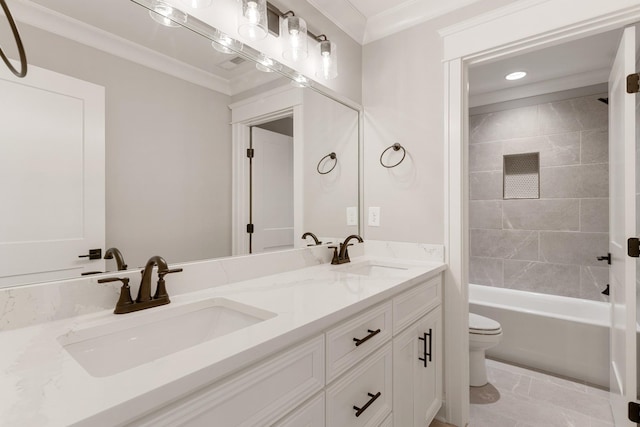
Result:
[{"x": 564, "y": 336}]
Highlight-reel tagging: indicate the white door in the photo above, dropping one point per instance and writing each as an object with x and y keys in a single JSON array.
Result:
[
  {"x": 622, "y": 190},
  {"x": 51, "y": 176},
  {"x": 272, "y": 191}
]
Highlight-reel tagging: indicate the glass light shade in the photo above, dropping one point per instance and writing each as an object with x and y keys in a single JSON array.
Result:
[
  {"x": 167, "y": 15},
  {"x": 197, "y": 4},
  {"x": 294, "y": 38},
  {"x": 328, "y": 63},
  {"x": 267, "y": 65},
  {"x": 252, "y": 22},
  {"x": 299, "y": 81},
  {"x": 225, "y": 44}
]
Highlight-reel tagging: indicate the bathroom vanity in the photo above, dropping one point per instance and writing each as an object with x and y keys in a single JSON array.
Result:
[{"x": 359, "y": 344}]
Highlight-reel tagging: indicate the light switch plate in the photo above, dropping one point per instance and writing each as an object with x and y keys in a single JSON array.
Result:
[
  {"x": 352, "y": 215},
  {"x": 374, "y": 216}
]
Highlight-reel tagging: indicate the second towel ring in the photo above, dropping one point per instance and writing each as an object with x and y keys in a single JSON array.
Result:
[
  {"x": 332, "y": 156},
  {"x": 396, "y": 147}
]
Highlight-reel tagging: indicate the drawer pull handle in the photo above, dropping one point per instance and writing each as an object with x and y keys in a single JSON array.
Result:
[
  {"x": 367, "y": 338},
  {"x": 373, "y": 397},
  {"x": 426, "y": 354}
]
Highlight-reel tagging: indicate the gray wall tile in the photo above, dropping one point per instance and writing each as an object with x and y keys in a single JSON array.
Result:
[
  {"x": 486, "y": 271},
  {"x": 541, "y": 214},
  {"x": 595, "y": 146},
  {"x": 508, "y": 124},
  {"x": 485, "y": 157},
  {"x": 555, "y": 150},
  {"x": 593, "y": 280},
  {"x": 485, "y": 214},
  {"x": 572, "y": 115},
  {"x": 594, "y": 215},
  {"x": 556, "y": 279},
  {"x": 508, "y": 244},
  {"x": 574, "y": 181},
  {"x": 573, "y": 248},
  {"x": 485, "y": 185}
]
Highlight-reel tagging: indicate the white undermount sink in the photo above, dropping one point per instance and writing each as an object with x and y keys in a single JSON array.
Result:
[
  {"x": 141, "y": 337},
  {"x": 374, "y": 268}
]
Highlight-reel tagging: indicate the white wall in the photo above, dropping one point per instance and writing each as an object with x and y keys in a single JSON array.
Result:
[
  {"x": 168, "y": 154},
  {"x": 402, "y": 92}
]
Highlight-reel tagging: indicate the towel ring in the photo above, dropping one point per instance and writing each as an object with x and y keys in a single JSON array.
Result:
[
  {"x": 331, "y": 155},
  {"x": 16, "y": 35},
  {"x": 396, "y": 147}
]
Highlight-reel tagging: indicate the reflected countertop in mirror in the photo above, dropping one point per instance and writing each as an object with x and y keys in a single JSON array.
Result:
[{"x": 168, "y": 155}]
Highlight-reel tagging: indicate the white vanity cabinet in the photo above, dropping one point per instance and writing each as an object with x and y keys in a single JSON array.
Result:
[{"x": 364, "y": 371}]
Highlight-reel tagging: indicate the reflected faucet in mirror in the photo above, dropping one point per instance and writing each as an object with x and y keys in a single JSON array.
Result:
[
  {"x": 144, "y": 300},
  {"x": 342, "y": 256},
  {"x": 112, "y": 253},
  {"x": 313, "y": 236}
]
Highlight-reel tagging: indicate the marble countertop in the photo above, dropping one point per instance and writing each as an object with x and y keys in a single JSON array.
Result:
[{"x": 41, "y": 384}]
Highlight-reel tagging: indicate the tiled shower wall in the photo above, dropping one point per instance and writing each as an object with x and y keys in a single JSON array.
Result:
[{"x": 547, "y": 245}]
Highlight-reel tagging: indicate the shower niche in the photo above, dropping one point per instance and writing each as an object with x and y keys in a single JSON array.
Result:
[{"x": 521, "y": 176}]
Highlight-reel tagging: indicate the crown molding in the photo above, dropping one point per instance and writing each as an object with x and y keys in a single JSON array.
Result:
[{"x": 57, "y": 23}]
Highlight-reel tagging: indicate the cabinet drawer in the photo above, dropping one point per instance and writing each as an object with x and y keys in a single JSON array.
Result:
[
  {"x": 310, "y": 414},
  {"x": 256, "y": 397},
  {"x": 415, "y": 303},
  {"x": 358, "y": 388},
  {"x": 343, "y": 351}
]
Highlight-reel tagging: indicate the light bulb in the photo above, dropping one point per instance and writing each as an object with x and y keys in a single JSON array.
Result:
[
  {"x": 252, "y": 14},
  {"x": 294, "y": 38},
  {"x": 252, "y": 20},
  {"x": 328, "y": 66}
]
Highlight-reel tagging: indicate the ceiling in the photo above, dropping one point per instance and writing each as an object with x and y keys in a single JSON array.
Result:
[
  {"x": 570, "y": 65},
  {"x": 369, "y": 20}
]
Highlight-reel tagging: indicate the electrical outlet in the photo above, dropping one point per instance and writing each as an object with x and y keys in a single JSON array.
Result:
[
  {"x": 374, "y": 216},
  {"x": 352, "y": 215}
]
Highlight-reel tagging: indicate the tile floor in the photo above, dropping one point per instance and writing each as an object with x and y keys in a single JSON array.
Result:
[{"x": 518, "y": 397}]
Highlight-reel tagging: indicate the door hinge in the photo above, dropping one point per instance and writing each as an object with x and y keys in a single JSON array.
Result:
[
  {"x": 634, "y": 412},
  {"x": 633, "y": 83},
  {"x": 250, "y": 228},
  {"x": 250, "y": 153},
  {"x": 633, "y": 247}
]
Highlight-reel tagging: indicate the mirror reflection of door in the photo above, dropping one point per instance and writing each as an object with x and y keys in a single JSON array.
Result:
[{"x": 272, "y": 186}]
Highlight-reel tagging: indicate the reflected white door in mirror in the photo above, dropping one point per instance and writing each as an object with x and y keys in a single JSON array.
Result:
[{"x": 52, "y": 157}]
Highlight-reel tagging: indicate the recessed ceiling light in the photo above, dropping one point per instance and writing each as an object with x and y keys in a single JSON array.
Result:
[{"x": 515, "y": 75}]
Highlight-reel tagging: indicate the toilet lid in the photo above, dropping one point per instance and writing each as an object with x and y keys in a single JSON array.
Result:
[{"x": 483, "y": 325}]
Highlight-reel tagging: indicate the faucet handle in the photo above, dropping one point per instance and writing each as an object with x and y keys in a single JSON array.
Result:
[
  {"x": 335, "y": 259},
  {"x": 125, "y": 292},
  {"x": 162, "y": 273},
  {"x": 161, "y": 289}
]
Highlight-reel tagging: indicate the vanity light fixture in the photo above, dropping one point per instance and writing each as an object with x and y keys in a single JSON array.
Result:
[
  {"x": 252, "y": 22},
  {"x": 197, "y": 4},
  {"x": 267, "y": 65},
  {"x": 328, "y": 66},
  {"x": 294, "y": 37},
  {"x": 225, "y": 44},
  {"x": 167, "y": 15},
  {"x": 516, "y": 75}
]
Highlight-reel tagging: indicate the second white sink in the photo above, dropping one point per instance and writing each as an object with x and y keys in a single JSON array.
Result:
[{"x": 138, "y": 338}]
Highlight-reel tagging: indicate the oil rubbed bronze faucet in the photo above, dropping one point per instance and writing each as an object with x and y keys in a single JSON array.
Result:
[
  {"x": 112, "y": 253},
  {"x": 144, "y": 300},
  {"x": 313, "y": 236},
  {"x": 343, "y": 256}
]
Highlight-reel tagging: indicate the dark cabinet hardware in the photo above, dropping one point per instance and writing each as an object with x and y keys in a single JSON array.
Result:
[
  {"x": 606, "y": 291},
  {"x": 125, "y": 299},
  {"x": 367, "y": 338},
  {"x": 427, "y": 354},
  {"x": 605, "y": 258},
  {"x": 373, "y": 397},
  {"x": 633, "y": 247},
  {"x": 93, "y": 254},
  {"x": 633, "y": 83},
  {"x": 634, "y": 412},
  {"x": 89, "y": 273}
]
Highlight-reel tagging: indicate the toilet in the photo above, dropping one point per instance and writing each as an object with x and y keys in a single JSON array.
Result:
[{"x": 484, "y": 333}]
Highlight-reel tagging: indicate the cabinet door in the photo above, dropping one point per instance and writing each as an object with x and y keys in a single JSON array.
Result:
[{"x": 417, "y": 377}]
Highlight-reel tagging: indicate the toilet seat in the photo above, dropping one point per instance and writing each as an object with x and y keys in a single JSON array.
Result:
[{"x": 480, "y": 325}]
